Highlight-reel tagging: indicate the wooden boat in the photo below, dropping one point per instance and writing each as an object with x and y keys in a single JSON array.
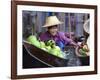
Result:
[{"x": 44, "y": 57}]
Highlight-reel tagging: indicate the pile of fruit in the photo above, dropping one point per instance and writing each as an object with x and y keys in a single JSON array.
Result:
[{"x": 48, "y": 46}]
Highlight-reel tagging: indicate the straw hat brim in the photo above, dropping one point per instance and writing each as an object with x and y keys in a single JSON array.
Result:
[
  {"x": 49, "y": 25},
  {"x": 86, "y": 26},
  {"x": 88, "y": 42}
]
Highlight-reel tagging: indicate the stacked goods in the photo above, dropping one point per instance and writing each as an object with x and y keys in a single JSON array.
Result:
[
  {"x": 33, "y": 40},
  {"x": 48, "y": 46}
]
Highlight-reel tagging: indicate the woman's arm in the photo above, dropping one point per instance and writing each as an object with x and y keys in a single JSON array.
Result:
[{"x": 68, "y": 40}]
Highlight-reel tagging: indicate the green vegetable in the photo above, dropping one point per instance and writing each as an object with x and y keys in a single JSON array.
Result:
[
  {"x": 82, "y": 52},
  {"x": 33, "y": 40}
]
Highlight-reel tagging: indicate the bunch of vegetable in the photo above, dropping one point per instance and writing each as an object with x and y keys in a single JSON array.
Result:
[
  {"x": 84, "y": 51},
  {"x": 48, "y": 46}
]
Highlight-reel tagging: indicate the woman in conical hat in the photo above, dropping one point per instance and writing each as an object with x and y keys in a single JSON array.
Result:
[
  {"x": 84, "y": 49},
  {"x": 52, "y": 32}
]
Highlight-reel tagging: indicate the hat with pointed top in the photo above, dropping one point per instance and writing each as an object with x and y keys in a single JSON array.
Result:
[{"x": 51, "y": 21}]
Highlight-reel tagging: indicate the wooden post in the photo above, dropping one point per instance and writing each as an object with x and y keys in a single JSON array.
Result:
[{"x": 69, "y": 25}]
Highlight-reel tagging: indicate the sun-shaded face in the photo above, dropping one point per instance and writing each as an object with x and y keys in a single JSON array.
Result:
[{"x": 53, "y": 30}]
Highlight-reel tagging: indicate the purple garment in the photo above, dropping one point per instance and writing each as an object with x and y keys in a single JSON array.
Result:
[{"x": 59, "y": 37}]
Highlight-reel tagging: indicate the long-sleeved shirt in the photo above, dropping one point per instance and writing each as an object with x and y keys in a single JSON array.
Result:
[{"x": 59, "y": 37}]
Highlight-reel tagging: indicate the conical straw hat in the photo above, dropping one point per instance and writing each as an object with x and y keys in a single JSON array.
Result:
[
  {"x": 86, "y": 26},
  {"x": 88, "y": 42},
  {"x": 51, "y": 21}
]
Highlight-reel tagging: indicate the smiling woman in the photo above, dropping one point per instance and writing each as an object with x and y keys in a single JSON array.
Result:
[{"x": 48, "y": 35}]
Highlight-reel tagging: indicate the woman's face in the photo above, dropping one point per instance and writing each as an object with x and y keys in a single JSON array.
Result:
[{"x": 53, "y": 30}]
